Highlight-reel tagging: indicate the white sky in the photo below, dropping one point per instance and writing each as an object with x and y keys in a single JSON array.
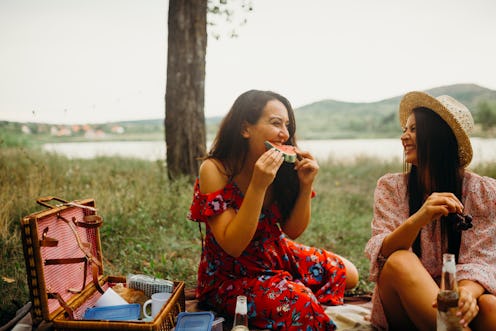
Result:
[{"x": 93, "y": 61}]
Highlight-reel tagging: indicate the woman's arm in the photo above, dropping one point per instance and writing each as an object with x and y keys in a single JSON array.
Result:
[
  {"x": 436, "y": 205},
  {"x": 476, "y": 268},
  {"x": 234, "y": 230}
]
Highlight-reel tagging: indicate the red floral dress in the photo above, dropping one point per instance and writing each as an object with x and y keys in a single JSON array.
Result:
[{"x": 286, "y": 283}]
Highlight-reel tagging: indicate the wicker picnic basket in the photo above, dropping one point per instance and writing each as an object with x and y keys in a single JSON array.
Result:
[{"x": 63, "y": 255}]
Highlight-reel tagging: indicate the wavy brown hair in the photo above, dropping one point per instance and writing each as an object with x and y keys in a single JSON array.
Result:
[{"x": 231, "y": 148}]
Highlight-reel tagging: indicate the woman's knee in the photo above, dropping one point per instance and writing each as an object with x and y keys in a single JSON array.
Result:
[
  {"x": 352, "y": 276},
  {"x": 401, "y": 263},
  {"x": 487, "y": 304},
  {"x": 486, "y": 318}
]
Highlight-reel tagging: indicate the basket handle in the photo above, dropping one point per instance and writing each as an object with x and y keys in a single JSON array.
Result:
[{"x": 43, "y": 201}]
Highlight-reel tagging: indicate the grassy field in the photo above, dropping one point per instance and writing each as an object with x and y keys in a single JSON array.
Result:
[{"x": 145, "y": 228}]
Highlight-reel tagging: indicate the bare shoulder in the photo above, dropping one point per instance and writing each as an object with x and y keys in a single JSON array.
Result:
[{"x": 212, "y": 176}]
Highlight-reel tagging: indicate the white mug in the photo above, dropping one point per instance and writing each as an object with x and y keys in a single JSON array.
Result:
[
  {"x": 110, "y": 298},
  {"x": 157, "y": 301}
]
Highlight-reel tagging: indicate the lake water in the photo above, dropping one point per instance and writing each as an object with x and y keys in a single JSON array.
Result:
[{"x": 343, "y": 150}]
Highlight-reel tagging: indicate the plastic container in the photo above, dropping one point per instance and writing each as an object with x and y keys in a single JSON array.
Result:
[
  {"x": 194, "y": 321},
  {"x": 126, "y": 312}
]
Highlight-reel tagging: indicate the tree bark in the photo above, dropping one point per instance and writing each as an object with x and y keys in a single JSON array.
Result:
[{"x": 185, "y": 133}]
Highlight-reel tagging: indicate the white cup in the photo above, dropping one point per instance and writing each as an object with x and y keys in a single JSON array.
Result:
[
  {"x": 157, "y": 301},
  {"x": 110, "y": 298}
]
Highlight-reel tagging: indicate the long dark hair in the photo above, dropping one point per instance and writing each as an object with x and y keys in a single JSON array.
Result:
[
  {"x": 231, "y": 148},
  {"x": 438, "y": 170}
]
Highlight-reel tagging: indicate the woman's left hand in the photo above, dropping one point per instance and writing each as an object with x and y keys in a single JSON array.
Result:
[
  {"x": 467, "y": 307},
  {"x": 306, "y": 167}
]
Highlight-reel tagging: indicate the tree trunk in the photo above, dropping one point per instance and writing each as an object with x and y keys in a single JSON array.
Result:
[{"x": 185, "y": 133}]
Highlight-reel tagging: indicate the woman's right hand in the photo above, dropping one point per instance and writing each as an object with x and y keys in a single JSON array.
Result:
[
  {"x": 266, "y": 167},
  {"x": 435, "y": 206},
  {"x": 439, "y": 204}
]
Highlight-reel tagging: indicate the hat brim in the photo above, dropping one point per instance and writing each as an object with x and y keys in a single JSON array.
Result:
[{"x": 418, "y": 99}]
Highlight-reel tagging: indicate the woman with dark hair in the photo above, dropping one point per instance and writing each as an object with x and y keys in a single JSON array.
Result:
[
  {"x": 253, "y": 203},
  {"x": 421, "y": 214}
]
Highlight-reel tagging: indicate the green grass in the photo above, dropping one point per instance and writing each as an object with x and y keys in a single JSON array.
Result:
[
  {"x": 144, "y": 231},
  {"x": 145, "y": 228}
]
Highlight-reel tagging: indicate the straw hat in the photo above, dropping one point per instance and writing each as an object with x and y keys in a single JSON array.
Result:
[{"x": 451, "y": 111}]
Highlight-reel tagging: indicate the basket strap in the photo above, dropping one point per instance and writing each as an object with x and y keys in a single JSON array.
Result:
[
  {"x": 85, "y": 248},
  {"x": 64, "y": 304},
  {"x": 71, "y": 261},
  {"x": 94, "y": 273},
  {"x": 47, "y": 241},
  {"x": 90, "y": 222}
]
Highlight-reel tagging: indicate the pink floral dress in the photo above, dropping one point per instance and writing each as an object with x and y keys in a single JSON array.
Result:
[
  {"x": 477, "y": 256},
  {"x": 286, "y": 283}
]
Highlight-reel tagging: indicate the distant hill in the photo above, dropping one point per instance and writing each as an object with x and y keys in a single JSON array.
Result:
[
  {"x": 328, "y": 119},
  {"x": 325, "y": 119}
]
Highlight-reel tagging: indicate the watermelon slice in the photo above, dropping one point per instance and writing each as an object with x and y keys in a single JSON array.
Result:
[{"x": 287, "y": 151}]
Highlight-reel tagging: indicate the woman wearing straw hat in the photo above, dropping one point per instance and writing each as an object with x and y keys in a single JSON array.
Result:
[{"x": 411, "y": 228}]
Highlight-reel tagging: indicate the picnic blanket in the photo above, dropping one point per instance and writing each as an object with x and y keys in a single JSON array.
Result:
[{"x": 352, "y": 316}]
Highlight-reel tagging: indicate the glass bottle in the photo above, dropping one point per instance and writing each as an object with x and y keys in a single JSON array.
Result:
[
  {"x": 447, "y": 298},
  {"x": 241, "y": 314}
]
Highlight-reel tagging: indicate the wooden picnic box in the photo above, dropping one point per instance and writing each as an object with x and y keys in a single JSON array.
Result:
[{"x": 64, "y": 266}]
